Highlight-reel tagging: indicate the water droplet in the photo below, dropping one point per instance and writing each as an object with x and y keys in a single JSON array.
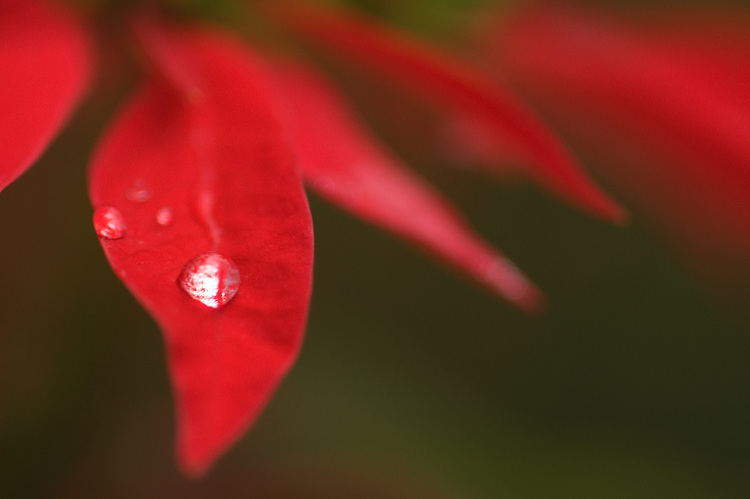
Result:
[
  {"x": 164, "y": 216},
  {"x": 109, "y": 223},
  {"x": 211, "y": 279},
  {"x": 138, "y": 193}
]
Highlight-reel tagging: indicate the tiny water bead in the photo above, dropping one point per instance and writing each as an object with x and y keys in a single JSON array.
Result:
[
  {"x": 138, "y": 193},
  {"x": 164, "y": 216},
  {"x": 109, "y": 223},
  {"x": 211, "y": 279}
]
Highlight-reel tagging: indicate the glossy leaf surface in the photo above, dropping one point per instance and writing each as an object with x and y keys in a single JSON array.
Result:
[
  {"x": 44, "y": 59},
  {"x": 430, "y": 73},
  {"x": 349, "y": 167},
  {"x": 204, "y": 145}
]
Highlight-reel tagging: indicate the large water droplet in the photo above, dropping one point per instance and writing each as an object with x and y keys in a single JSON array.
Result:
[
  {"x": 164, "y": 216},
  {"x": 109, "y": 223},
  {"x": 210, "y": 278}
]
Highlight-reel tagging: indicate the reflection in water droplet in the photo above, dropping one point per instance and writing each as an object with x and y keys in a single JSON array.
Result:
[
  {"x": 109, "y": 223},
  {"x": 164, "y": 216},
  {"x": 211, "y": 279}
]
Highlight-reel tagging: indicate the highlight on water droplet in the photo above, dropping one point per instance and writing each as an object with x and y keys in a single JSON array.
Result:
[
  {"x": 211, "y": 279},
  {"x": 109, "y": 223},
  {"x": 138, "y": 193},
  {"x": 164, "y": 216}
]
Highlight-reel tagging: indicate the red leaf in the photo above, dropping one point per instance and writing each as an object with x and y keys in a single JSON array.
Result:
[
  {"x": 676, "y": 101},
  {"x": 348, "y": 166},
  {"x": 668, "y": 108},
  {"x": 44, "y": 60},
  {"x": 449, "y": 82},
  {"x": 210, "y": 172}
]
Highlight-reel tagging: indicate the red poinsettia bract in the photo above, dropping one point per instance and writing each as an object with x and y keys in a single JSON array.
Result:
[
  {"x": 662, "y": 103},
  {"x": 223, "y": 169},
  {"x": 197, "y": 186},
  {"x": 36, "y": 42},
  {"x": 453, "y": 84}
]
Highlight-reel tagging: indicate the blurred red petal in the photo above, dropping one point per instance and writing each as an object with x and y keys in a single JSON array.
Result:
[
  {"x": 449, "y": 82},
  {"x": 210, "y": 173},
  {"x": 45, "y": 64},
  {"x": 348, "y": 166},
  {"x": 667, "y": 107}
]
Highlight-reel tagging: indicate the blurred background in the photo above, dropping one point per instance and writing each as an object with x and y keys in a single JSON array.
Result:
[{"x": 412, "y": 382}]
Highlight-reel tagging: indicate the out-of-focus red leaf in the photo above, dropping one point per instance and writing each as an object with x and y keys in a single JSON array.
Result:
[
  {"x": 635, "y": 78},
  {"x": 667, "y": 108},
  {"x": 45, "y": 65},
  {"x": 201, "y": 165},
  {"x": 713, "y": 46},
  {"x": 449, "y": 82},
  {"x": 348, "y": 166}
]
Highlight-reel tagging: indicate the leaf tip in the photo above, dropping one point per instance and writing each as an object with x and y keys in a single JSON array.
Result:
[
  {"x": 193, "y": 469},
  {"x": 533, "y": 301},
  {"x": 504, "y": 279},
  {"x": 610, "y": 210},
  {"x": 592, "y": 199},
  {"x": 195, "y": 458}
]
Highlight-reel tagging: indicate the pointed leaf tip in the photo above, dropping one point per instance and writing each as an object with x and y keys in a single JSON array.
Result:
[
  {"x": 433, "y": 74},
  {"x": 36, "y": 41},
  {"x": 662, "y": 102},
  {"x": 349, "y": 167},
  {"x": 228, "y": 274},
  {"x": 504, "y": 278}
]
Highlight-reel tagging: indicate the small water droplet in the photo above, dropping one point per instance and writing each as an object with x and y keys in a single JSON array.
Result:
[
  {"x": 109, "y": 223},
  {"x": 164, "y": 216},
  {"x": 138, "y": 193},
  {"x": 210, "y": 278}
]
